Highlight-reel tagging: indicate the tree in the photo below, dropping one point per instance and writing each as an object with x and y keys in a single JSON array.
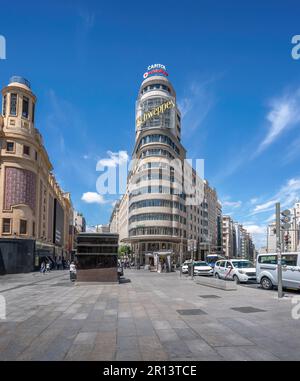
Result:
[{"x": 124, "y": 250}]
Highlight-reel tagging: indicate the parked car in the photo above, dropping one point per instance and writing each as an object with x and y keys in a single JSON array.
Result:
[
  {"x": 203, "y": 268},
  {"x": 239, "y": 270},
  {"x": 266, "y": 270},
  {"x": 185, "y": 267}
]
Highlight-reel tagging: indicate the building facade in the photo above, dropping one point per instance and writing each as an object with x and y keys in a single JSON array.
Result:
[
  {"x": 35, "y": 214},
  {"x": 213, "y": 229},
  {"x": 79, "y": 223},
  {"x": 164, "y": 209},
  {"x": 228, "y": 237},
  {"x": 237, "y": 241}
]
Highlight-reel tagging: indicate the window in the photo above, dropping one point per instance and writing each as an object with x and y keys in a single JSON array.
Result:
[
  {"x": 289, "y": 260},
  {"x": 33, "y": 110},
  {"x": 36, "y": 155},
  {"x": 26, "y": 150},
  {"x": 13, "y": 104},
  {"x": 23, "y": 227},
  {"x": 268, "y": 259},
  {"x": 10, "y": 146},
  {"x": 6, "y": 226},
  {"x": 25, "y": 107},
  {"x": 33, "y": 229},
  {"x": 4, "y": 105}
]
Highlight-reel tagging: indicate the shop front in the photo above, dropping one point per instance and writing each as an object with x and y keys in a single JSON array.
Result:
[{"x": 160, "y": 261}]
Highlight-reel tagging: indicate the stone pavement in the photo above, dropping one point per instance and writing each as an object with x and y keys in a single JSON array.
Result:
[{"x": 149, "y": 316}]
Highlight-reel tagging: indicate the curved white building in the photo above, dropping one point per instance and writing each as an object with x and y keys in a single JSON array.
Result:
[{"x": 157, "y": 213}]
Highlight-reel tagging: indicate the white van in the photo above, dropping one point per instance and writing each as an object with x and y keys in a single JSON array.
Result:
[{"x": 266, "y": 270}]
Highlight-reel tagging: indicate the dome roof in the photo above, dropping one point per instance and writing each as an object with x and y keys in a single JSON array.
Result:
[{"x": 16, "y": 80}]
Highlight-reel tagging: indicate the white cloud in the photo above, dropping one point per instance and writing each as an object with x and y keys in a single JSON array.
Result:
[
  {"x": 87, "y": 18},
  {"x": 292, "y": 151},
  {"x": 255, "y": 229},
  {"x": 93, "y": 198},
  {"x": 115, "y": 158},
  {"x": 288, "y": 194},
  {"x": 196, "y": 104},
  {"x": 90, "y": 229},
  {"x": 270, "y": 219},
  {"x": 232, "y": 204},
  {"x": 253, "y": 201},
  {"x": 265, "y": 206},
  {"x": 284, "y": 114},
  {"x": 258, "y": 233}
]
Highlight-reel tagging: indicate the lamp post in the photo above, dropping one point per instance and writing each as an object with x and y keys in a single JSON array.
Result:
[
  {"x": 279, "y": 250},
  {"x": 181, "y": 253}
]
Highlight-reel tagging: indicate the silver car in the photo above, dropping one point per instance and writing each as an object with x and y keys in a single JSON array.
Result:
[{"x": 266, "y": 270}]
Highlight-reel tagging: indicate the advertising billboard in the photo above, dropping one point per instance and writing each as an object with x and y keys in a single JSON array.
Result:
[{"x": 58, "y": 232}]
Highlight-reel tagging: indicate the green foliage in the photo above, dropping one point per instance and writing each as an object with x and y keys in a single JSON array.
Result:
[{"x": 124, "y": 250}]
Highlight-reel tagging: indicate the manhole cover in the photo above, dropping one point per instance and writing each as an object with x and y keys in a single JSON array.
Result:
[
  {"x": 191, "y": 312},
  {"x": 209, "y": 296},
  {"x": 247, "y": 310}
]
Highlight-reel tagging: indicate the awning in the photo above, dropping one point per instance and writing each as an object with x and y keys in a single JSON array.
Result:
[
  {"x": 44, "y": 253},
  {"x": 163, "y": 253}
]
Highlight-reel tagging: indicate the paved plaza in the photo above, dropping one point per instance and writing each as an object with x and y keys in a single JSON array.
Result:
[{"x": 148, "y": 316}]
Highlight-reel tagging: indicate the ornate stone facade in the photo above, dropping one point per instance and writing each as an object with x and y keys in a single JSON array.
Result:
[{"x": 29, "y": 193}]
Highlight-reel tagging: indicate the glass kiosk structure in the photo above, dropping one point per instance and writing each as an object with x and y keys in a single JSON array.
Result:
[{"x": 97, "y": 257}]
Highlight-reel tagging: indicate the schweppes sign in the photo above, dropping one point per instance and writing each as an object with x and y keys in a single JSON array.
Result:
[{"x": 155, "y": 112}]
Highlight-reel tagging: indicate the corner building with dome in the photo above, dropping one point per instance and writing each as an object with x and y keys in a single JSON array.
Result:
[{"x": 168, "y": 210}]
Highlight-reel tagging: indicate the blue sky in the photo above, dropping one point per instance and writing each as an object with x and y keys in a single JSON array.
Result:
[{"x": 229, "y": 61}]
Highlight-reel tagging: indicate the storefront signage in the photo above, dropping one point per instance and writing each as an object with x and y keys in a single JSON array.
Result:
[
  {"x": 155, "y": 112},
  {"x": 156, "y": 69}
]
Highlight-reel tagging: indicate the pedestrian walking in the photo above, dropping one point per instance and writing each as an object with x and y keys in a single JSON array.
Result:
[
  {"x": 43, "y": 267},
  {"x": 165, "y": 267},
  {"x": 48, "y": 267},
  {"x": 73, "y": 272}
]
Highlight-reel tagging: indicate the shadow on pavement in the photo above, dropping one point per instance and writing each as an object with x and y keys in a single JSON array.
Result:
[{"x": 124, "y": 280}]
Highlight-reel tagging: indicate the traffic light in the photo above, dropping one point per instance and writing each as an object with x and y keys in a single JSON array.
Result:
[{"x": 285, "y": 219}]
